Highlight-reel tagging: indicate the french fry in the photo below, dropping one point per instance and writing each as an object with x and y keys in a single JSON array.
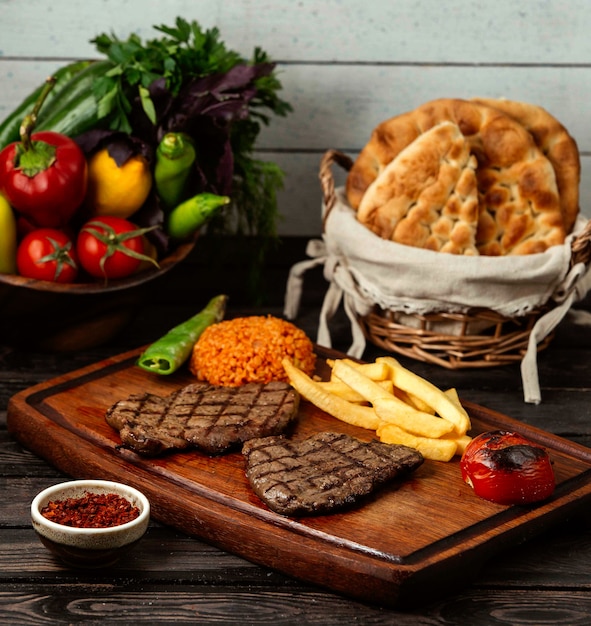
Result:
[
  {"x": 380, "y": 372},
  {"x": 339, "y": 388},
  {"x": 391, "y": 411},
  {"x": 434, "y": 449},
  {"x": 355, "y": 414},
  {"x": 413, "y": 400},
  {"x": 461, "y": 441},
  {"x": 387, "y": 385},
  {"x": 452, "y": 394},
  {"x": 395, "y": 395},
  {"x": 412, "y": 383},
  {"x": 356, "y": 378},
  {"x": 376, "y": 371},
  {"x": 388, "y": 407}
]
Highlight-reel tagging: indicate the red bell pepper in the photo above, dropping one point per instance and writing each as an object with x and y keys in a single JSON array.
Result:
[
  {"x": 44, "y": 175},
  {"x": 507, "y": 468}
]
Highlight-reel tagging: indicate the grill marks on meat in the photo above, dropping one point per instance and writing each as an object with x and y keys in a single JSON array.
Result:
[
  {"x": 207, "y": 417},
  {"x": 221, "y": 417},
  {"x": 324, "y": 472},
  {"x": 146, "y": 425}
]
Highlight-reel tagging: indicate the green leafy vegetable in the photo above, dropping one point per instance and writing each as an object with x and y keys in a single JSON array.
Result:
[{"x": 188, "y": 81}]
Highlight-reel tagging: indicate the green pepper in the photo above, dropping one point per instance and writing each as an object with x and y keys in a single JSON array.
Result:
[
  {"x": 7, "y": 238},
  {"x": 188, "y": 217},
  {"x": 175, "y": 157},
  {"x": 168, "y": 353}
]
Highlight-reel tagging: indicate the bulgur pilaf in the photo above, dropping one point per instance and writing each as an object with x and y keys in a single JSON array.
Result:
[{"x": 250, "y": 349}]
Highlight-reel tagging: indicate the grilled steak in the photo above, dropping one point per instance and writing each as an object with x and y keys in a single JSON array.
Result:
[
  {"x": 143, "y": 425},
  {"x": 203, "y": 416},
  {"x": 325, "y": 472}
]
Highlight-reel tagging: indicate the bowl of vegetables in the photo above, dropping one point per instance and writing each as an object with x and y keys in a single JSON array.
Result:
[
  {"x": 84, "y": 233},
  {"x": 51, "y": 316},
  {"x": 100, "y": 196}
]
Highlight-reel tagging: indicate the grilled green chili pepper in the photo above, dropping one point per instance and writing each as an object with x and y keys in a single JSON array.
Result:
[
  {"x": 188, "y": 217},
  {"x": 175, "y": 157},
  {"x": 7, "y": 238},
  {"x": 169, "y": 352}
]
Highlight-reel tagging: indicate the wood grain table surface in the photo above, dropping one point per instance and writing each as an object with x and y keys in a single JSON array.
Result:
[{"x": 174, "y": 578}]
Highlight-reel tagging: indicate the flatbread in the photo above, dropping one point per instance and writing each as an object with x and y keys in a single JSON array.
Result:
[
  {"x": 519, "y": 213},
  {"x": 427, "y": 196},
  {"x": 556, "y": 144},
  {"x": 518, "y": 196}
]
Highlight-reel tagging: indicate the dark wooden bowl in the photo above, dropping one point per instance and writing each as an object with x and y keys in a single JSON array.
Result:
[{"x": 49, "y": 316}]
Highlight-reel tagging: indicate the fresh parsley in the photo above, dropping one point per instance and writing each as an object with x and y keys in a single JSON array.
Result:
[{"x": 188, "y": 80}]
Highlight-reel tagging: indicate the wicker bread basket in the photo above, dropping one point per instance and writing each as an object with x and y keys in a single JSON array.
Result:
[{"x": 473, "y": 339}]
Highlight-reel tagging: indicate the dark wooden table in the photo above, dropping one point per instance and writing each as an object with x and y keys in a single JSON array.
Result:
[{"x": 173, "y": 578}]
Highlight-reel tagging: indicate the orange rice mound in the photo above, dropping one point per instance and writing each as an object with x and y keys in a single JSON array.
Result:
[{"x": 250, "y": 349}]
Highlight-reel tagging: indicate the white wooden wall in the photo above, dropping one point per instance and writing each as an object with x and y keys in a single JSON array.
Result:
[{"x": 345, "y": 64}]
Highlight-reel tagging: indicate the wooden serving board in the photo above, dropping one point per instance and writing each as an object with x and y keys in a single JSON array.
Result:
[{"x": 425, "y": 534}]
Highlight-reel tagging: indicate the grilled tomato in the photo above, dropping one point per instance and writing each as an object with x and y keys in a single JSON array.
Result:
[{"x": 507, "y": 468}]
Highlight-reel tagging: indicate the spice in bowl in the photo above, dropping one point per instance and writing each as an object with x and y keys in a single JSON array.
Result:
[
  {"x": 90, "y": 523},
  {"x": 92, "y": 510}
]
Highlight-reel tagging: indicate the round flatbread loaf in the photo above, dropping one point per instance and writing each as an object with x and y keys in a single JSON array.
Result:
[
  {"x": 556, "y": 144},
  {"x": 427, "y": 195},
  {"x": 518, "y": 196}
]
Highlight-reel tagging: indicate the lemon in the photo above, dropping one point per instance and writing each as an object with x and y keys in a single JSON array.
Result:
[{"x": 114, "y": 190}]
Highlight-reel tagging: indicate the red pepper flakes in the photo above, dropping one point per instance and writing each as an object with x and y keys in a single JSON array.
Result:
[{"x": 92, "y": 510}]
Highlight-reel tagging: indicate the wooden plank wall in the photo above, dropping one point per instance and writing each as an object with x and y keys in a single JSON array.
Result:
[{"x": 345, "y": 64}]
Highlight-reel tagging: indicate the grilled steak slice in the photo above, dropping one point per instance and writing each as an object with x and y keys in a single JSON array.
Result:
[
  {"x": 142, "y": 422},
  {"x": 210, "y": 418},
  {"x": 220, "y": 418},
  {"x": 324, "y": 472}
]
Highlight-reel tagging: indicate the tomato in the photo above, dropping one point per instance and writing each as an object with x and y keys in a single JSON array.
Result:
[
  {"x": 111, "y": 247},
  {"x": 507, "y": 468},
  {"x": 47, "y": 254}
]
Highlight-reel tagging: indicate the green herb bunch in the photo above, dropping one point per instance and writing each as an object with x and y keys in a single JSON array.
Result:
[{"x": 188, "y": 80}]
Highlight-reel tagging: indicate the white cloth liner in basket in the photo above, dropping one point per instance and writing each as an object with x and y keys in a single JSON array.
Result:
[{"x": 364, "y": 269}]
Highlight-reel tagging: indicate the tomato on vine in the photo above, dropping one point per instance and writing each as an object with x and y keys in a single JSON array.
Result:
[
  {"x": 47, "y": 254},
  {"x": 112, "y": 247}
]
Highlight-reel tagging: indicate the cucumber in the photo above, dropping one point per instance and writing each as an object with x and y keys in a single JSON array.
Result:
[
  {"x": 10, "y": 126},
  {"x": 80, "y": 116},
  {"x": 76, "y": 111},
  {"x": 71, "y": 93}
]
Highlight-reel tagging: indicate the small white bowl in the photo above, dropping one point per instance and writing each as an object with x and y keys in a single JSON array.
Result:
[{"x": 89, "y": 547}]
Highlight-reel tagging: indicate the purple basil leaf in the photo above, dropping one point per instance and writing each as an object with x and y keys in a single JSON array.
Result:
[
  {"x": 238, "y": 78},
  {"x": 91, "y": 140},
  {"x": 221, "y": 95},
  {"x": 121, "y": 146}
]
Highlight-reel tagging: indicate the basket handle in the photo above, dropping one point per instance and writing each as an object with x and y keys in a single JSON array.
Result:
[
  {"x": 581, "y": 246},
  {"x": 327, "y": 181}
]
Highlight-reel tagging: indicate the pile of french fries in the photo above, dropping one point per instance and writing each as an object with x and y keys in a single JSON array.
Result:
[{"x": 384, "y": 396}]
